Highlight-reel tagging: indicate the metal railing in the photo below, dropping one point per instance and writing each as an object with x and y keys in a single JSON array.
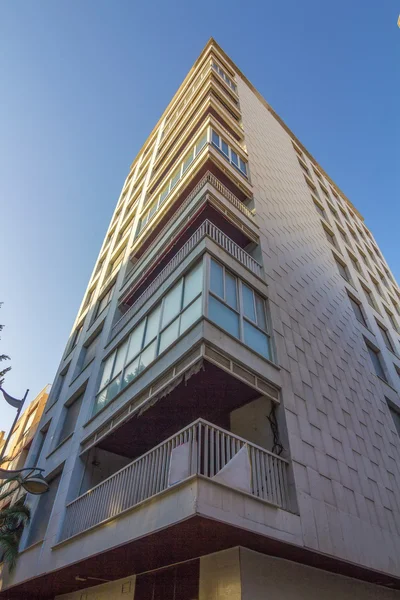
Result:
[
  {"x": 206, "y": 229},
  {"x": 211, "y": 448}
]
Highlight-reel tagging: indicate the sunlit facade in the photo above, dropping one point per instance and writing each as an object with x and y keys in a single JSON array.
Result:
[{"x": 225, "y": 418}]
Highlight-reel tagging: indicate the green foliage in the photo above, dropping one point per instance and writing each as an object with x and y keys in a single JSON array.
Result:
[
  {"x": 12, "y": 522},
  {"x": 3, "y": 357}
]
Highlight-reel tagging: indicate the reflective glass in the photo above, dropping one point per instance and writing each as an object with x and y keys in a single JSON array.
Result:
[
  {"x": 131, "y": 372},
  {"x": 151, "y": 212},
  {"x": 260, "y": 309},
  {"x": 190, "y": 315},
  {"x": 107, "y": 370},
  {"x": 257, "y": 340},
  {"x": 231, "y": 290},
  {"x": 120, "y": 359},
  {"x": 188, "y": 160},
  {"x": 176, "y": 177},
  {"x": 217, "y": 279},
  {"x": 152, "y": 325},
  {"x": 243, "y": 166},
  {"x": 147, "y": 357},
  {"x": 225, "y": 148},
  {"x": 234, "y": 158},
  {"x": 201, "y": 143},
  {"x": 193, "y": 284},
  {"x": 222, "y": 315},
  {"x": 164, "y": 194},
  {"x": 215, "y": 138},
  {"x": 172, "y": 303},
  {"x": 169, "y": 335},
  {"x": 248, "y": 302},
  {"x": 136, "y": 340}
]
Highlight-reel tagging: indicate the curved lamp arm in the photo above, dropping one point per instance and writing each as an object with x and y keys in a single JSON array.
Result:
[{"x": 33, "y": 482}]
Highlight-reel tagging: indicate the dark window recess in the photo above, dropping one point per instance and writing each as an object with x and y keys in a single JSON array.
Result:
[
  {"x": 358, "y": 311},
  {"x": 377, "y": 362},
  {"x": 42, "y": 513}
]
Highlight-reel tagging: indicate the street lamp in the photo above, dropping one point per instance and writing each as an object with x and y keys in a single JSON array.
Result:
[{"x": 33, "y": 482}]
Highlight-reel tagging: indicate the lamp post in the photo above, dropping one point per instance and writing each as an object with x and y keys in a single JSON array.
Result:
[
  {"x": 33, "y": 482},
  {"x": 18, "y": 404}
]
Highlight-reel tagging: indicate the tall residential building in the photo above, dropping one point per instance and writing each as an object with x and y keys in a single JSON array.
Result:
[{"x": 225, "y": 419}]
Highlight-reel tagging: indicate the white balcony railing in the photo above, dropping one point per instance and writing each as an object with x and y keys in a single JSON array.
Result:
[
  {"x": 212, "y": 448},
  {"x": 206, "y": 229}
]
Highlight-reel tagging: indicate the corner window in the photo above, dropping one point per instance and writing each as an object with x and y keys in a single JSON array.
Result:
[
  {"x": 237, "y": 308},
  {"x": 177, "y": 311},
  {"x": 224, "y": 76},
  {"x": 228, "y": 152}
]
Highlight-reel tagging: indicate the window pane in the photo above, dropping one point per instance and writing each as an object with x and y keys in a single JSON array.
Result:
[
  {"x": 131, "y": 372},
  {"x": 257, "y": 340},
  {"x": 201, "y": 143},
  {"x": 223, "y": 316},
  {"x": 107, "y": 370},
  {"x": 248, "y": 302},
  {"x": 169, "y": 335},
  {"x": 175, "y": 176},
  {"x": 224, "y": 147},
  {"x": 190, "y": 315},
  {"x": 147, "y": 357},
  {"x": 193, "y": 284},
  {"x": 243, "y": 166},
  {"x": 108, "y": 394},
  {"x": 172, "y": 303},
  {"x": 376, "y": 362},
  {"x": 231, "y": 290},
  {"x": 152, "y": 325},
  {"x": 260, "y": 309},
  {"x": 215, "y": 138},
  {"x": 120, "y": 360},
  {"x": 217, "y": 279},
  {"x": 234, "y": 158},
  {"x": 164, "y": 194},
  {"x": 136, "y": 341},
  {"x": 152, "y": 210},
  {"x": 188, "y": 160}
]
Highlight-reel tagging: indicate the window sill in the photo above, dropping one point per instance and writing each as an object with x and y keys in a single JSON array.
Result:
[
  {"x": 60, "y": 444},
  {"x": 31, "y": 546}
]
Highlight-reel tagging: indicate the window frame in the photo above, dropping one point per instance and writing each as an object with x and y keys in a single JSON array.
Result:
[{"x": 238, "y": 167}]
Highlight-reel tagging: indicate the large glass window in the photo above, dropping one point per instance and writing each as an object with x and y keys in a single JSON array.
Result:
[
  {"x": 375, "y": 356},
  {"x": 237, "y": 308},
  {"x": 176, "y": 312},
  {"x": 224, "y": 76},
  {"x": 173, "y": 179},
  {"x": 228, "y": 152}
]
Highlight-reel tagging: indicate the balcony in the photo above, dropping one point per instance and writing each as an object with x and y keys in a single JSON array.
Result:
[
  {"x": 209, "y": 449},
  {"x": 206, "y": 230}
]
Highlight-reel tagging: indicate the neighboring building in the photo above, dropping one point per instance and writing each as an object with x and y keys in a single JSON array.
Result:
[
  {"x": 24, "y": 431},
  {"x": 19, "y": 444},
  {"x": 225, "y": 419}
]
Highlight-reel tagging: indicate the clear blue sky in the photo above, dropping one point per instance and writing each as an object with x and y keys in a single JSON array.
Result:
[{"x": 83, "y": 84}]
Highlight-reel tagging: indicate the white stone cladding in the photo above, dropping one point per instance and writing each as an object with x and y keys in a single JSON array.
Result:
[{"x": 343, "y": 444}]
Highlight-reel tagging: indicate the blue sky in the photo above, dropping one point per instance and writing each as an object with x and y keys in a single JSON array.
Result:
[{"x": 83, "y": 84}]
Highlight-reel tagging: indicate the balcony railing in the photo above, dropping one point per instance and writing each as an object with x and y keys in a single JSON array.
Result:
[
  {"x": 206, "y": 229},
  {"x": 211, "y": 449}
]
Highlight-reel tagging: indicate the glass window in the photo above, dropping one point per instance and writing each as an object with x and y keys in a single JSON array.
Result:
[
  {"x": 152, "y": 325},
  {"x": 225, "y": 317},
  {"x": 131, "y": 371},
  {"x": 215, "y": 138},
  {"x": 164, "y": 194},
  {"x": 256, "y": 339},
  {"x": 136, "y": 340},
  {"x": 120, "y": 358},
  {"x": 225, "y": 148},
  {"x": 175, "y": 176},
  {"x": 187, "y": 161},
  {"x": 107, "y": 370},
  {"x": 217, "y": 279},
  {"x": 169, "y": 335},
  {"x": 248, "y": 302},
  {"x": 193, "y": 284},
  {"x": 201, "y": 143},
  {"x": 234, "y": 158},
  {"x": 147, "y": 356},
  {"x": 260, "y": 309},
  {"x": 231, "y": 290},
  {"x": 376, "y": 361},
  {"x": 172, "y": 303},
  {"x": 190, "y": 315},
  {"x": 357, "y": 311}
]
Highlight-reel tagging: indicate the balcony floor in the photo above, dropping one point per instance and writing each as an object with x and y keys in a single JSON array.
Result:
[{"x": 201, "y": 533}]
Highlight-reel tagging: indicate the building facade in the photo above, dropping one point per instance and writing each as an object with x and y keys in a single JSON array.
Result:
[{"x": 225, "y": 419}]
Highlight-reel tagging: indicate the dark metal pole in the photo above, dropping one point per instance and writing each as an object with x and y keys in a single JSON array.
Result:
[{"x": 13, "y": 425}]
